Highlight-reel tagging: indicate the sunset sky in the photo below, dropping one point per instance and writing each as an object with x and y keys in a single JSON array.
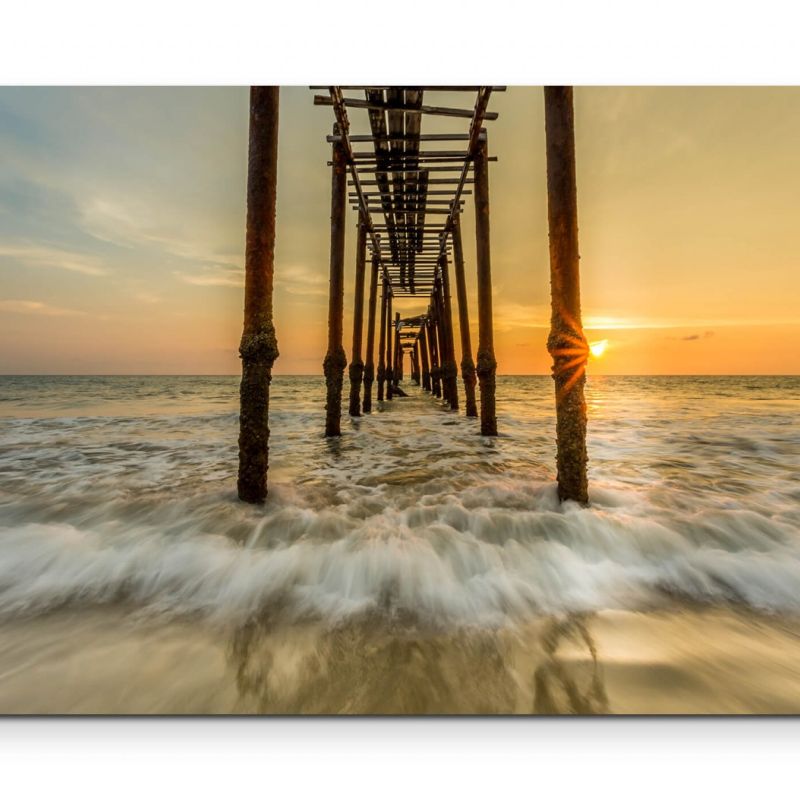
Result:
[{"x": 122, "y": 229}]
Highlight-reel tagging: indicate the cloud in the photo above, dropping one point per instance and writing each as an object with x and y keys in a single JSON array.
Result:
[
  {"x": 147, "y": 297},
  {"x": 509, "y": 316},
  {"x": 298, "y": 279},
  {"x": 218, "y": 277},
  {"x": 693, "y": 337},
  {"x": 37, "y": 307},
  {"x": 37, "y": 256}
]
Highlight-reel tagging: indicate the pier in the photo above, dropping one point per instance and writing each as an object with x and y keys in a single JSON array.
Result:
[{"x": 408, "y": 189}]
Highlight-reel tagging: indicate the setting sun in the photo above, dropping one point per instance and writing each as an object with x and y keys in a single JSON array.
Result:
[{"x": 598, "y": 348}]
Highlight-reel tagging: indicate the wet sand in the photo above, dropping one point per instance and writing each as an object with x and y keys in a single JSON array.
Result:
[{"x": 681, "y": 661}]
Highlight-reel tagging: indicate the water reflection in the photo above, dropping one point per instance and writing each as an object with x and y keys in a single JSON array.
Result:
[
  {"x": 567, "y": 685},
  {"x": 370, "y": 666},
  {"x": 373, "y": 666}
]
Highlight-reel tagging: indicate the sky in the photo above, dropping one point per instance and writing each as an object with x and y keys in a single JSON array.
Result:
[{"x": 122, "y": 215}]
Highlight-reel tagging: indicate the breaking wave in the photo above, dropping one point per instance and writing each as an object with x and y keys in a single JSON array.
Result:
[{"x": 428, "y": 519}]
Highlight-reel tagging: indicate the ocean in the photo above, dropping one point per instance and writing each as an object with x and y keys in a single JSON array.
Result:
[{"x": 411, "y": 566}]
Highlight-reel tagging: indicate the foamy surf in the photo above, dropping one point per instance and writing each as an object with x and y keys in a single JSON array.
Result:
[{"x": 405, "y": 516}]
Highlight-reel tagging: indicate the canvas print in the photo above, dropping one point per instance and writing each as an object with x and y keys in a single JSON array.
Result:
[{"x": 391, "y": 400}]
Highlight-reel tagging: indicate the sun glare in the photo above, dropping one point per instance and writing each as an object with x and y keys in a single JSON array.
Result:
[{"x": 598, "y": 348}]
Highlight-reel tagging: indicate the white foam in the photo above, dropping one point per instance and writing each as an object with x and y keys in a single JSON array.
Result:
[{"x": 461, "y": 562}]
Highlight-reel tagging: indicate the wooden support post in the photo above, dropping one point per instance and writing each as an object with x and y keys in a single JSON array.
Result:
[
  {"x": 382, "y": 341},
  {"x": 423, "y": 349},
  {"x": 258, "y": 347},
  {"x": 436, "y": 387},
  {"x": 449, "y": 368},
  {"x": 369, "y": 366},
  {"x": 467, "y": 364},
  {"x": 397, "y": 365},
  {"x": 356, "y": 371},
  {"x": 566, "y": 343},
  {"x": 389, "y": 349},
  {"x": 336, "y": 360},
  {"x": 415, "y": 372},
  {"x": 487, "y": 365},
  {"x": 441, "y": 339}
]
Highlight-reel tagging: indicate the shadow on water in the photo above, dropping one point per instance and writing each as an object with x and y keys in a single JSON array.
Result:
[
  {"x": 562, "y": 686},
  {"x": 369, "y": 665}
]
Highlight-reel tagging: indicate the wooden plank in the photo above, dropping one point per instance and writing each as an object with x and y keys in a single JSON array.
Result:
[
  {"x": 431, "y": 181},
  {"x": 424, "y": 88},
  {"x": 438, "y": 192},
  {"x": 392, "y": 105}
]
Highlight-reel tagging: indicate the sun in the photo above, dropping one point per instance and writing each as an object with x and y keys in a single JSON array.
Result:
[{"x": 598, "y": 348}]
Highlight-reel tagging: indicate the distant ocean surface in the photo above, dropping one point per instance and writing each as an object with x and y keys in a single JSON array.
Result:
[{"x": 119, "y": 493}]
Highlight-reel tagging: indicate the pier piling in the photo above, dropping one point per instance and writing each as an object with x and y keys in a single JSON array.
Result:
[
  {"x": 487, "y": 365},
  {"x": 356, "y": 371},
  {"x": 566, "y": 343},
  {"x": 382, "y": 341},
  {"x": 369, "y": 365},
  {"x": 258, "y": 347},
  {"x": 335, "y": 359},
  {"x": 467, "y": 363}
]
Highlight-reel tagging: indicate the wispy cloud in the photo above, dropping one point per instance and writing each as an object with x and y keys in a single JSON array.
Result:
[
  {"x": 44, "y": 257},
  {"x": 214, "y": 277},
  {"x": 37, "y": 307},
  {"x": 508, "y": 316},
  {"x": 298, "y": 279},
  {"x": 136, "y": 225},
  {"x": 694, "y": 337},
  {"x": 147, "y": 297}
]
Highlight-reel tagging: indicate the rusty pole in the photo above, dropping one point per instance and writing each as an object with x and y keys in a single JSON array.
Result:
[
  {"x": 436, "y": 388},
  {"x": 423, "y": 350},
  {"x": 382, "y": 341},
  {"x": 467, "y": 364},
  {"x": 369, "y": 366},
  {"x": 449, "y": 368},
  {"x": 335, "y": 359},
  {"x": 487, "y": 365},
  {"x": 397, "y": 366},
  {"x": 389, "y": 349},
  {"x": 566, "y": 343},
  {"x": 258, "y": 347},
  {"x": 441, "y": 340},
  {"x": 415, "y": 373},
  {"x": 356, "y": 371}
]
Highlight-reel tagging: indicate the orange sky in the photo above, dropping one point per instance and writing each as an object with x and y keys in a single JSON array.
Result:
[{"x": 122, "y": 232}]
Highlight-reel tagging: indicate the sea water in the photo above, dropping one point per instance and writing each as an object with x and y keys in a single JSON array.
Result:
[{"x": 411, "y": 565}]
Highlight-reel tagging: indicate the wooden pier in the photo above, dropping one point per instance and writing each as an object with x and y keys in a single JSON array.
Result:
[{"x": 409, "y": 190}]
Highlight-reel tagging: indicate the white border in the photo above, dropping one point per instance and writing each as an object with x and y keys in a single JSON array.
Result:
[
  {"x": 615, "y": 41},
  {"x": 398, "y": 758},
  {"x": 497, "y": 41}
]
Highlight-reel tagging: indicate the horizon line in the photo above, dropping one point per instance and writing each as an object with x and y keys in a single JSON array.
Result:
[{"x": 321, "y": 376}]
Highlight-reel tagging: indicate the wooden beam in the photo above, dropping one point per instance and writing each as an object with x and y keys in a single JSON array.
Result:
[
  {"x": 426, "y": 88},
  {"x": 431, "y": 181},
  {"x": 389, "y": 105},
  {"x": 404, "y": 137}
]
